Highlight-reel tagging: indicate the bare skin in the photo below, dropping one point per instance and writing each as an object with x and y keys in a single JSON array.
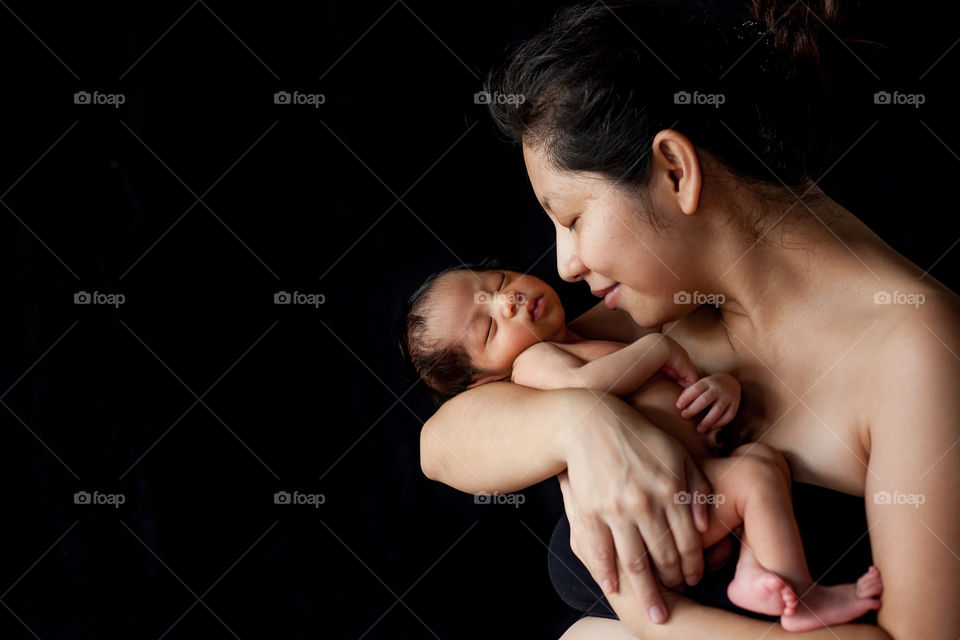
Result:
[{"x": 860, "y": 397}]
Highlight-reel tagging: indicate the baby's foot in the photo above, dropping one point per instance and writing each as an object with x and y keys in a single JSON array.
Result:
[
  {"x": 825, "y": 606},
  {"x": 758, "y": 590}
]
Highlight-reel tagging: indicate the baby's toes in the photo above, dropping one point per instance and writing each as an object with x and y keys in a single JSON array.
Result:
[
  {"x": 870, "y": 584},
  {"x": 790, "y": 601}
]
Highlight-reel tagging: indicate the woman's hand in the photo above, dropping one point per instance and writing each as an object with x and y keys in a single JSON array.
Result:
[{"x": 619, "y": 492}]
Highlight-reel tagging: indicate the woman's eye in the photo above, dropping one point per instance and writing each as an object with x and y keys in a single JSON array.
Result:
[
  {"x": 502, "y": 282},
  {"x": 573, "y": 223},
  {"x": 490, "y": 330}
]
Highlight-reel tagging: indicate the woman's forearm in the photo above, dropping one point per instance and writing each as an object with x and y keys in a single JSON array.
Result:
[{"x": 500, "y": 436}]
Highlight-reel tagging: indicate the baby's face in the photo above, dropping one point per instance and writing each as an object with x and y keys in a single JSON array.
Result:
[{"x": 495, "y": 315}]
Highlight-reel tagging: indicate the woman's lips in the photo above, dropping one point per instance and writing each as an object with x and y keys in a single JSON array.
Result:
[{"x": 610, "y": 299}]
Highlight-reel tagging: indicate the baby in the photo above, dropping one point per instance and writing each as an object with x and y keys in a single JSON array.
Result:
[{"x": 467, "y": 327}]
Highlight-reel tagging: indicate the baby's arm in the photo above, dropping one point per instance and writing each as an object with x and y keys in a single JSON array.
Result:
[{"x": 547, "y": 365}]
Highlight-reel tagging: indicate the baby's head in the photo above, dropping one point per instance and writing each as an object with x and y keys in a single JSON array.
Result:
[{"x": 465, "y": 326}]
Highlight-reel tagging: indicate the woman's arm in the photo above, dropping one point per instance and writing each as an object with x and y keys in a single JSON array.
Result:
[
  {"x": 913, "y": 482},
  {"x": 624, "y": 473}
]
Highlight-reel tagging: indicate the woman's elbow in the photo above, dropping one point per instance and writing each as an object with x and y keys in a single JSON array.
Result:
[{"x": 430, "y": 461}]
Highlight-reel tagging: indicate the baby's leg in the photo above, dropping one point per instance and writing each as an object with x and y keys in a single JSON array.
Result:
[
  {"x": 755, "y": 483},
  {"x": 752, "y": 489}
]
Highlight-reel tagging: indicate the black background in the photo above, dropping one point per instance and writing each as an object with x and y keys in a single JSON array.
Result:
[{"x": 398, "y": 174}]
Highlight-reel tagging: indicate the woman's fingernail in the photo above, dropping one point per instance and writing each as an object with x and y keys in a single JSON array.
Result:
[
  {"x": 607, "y": 586},
  {"x": 657, "y": 613}
]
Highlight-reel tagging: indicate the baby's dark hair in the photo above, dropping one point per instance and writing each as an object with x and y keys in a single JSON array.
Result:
[{"x": 444, "y": 369}]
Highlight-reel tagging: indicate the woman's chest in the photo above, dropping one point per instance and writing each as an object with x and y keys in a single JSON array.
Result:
[
  {"x": 809, "y": 408},
  {"x": 818, "y": 431}
]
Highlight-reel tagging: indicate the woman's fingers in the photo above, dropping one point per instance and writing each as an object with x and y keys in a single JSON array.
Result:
[
  {"x": 661, "y": 547},
  {"x": 600, "y": 555},
  {"x": 688, "y": 540},
  {"x": 697, "y": 483},
  {"x": 636, "y": 564}
]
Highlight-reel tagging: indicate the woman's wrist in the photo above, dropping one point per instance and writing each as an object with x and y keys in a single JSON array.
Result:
[{"x": 587, "y": 411}]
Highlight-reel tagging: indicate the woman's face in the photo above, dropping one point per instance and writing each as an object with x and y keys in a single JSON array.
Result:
[{"x": 605, "y": 238}]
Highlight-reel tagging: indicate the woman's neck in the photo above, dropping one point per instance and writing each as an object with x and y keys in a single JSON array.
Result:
[{"x": 813, "y": 255}]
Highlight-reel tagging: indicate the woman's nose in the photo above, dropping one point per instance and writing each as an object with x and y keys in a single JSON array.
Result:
[{"x": 569, "y": 266}]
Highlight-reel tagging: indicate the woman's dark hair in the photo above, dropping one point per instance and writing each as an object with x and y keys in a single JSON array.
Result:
[
  {"x": 602, "y": 79},
  {"x": 444, "y": 369}
]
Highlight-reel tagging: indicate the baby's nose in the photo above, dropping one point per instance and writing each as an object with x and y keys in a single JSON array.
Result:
[{"x": 508, "y": 304}]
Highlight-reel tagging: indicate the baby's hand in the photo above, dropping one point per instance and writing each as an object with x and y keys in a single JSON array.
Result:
[
  {"x": 678, "y": 366},
  {"x": 720, "y": 390}
]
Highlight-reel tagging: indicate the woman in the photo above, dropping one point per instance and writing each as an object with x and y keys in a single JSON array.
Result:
[{"x": 677, "y": 159}]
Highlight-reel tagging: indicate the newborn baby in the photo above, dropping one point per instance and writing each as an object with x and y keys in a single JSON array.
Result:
[{"x": 468, "y": 327}]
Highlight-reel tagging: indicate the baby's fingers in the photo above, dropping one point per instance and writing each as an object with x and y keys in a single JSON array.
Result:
[
  {"x": 712, "y": 417},
  {"x": 701, "y": 402},
  {"x": 727, "y": 416},
  {"x": 690, "y": 393}
]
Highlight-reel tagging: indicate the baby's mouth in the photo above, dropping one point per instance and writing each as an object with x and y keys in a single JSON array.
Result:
[{"x": 536, "y": 306}]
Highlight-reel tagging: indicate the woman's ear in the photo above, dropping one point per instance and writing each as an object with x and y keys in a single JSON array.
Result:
[{"x": 676, "y": 166}]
